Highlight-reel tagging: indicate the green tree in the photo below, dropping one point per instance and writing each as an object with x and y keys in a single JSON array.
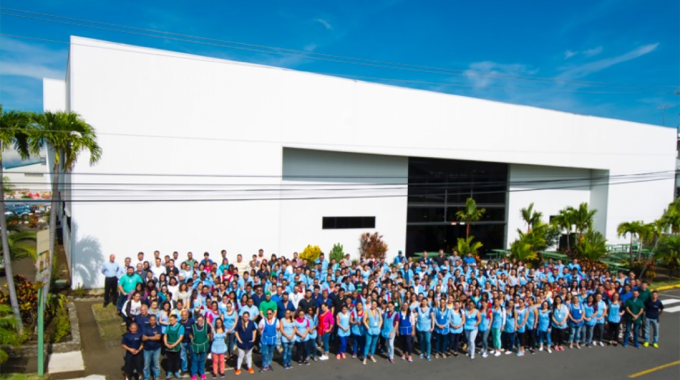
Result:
[
  {"x": 531, "y": 217},
  {"x": 671, "y": 217},
  {"x": 635, "y": 228},
  {"x": 583, "y": 219},
  {"x": 668, "y": 252},
  {"x": 67, "y": 136},
  {"x": 13, "y": 134},
  {"x": 21, "y": 245},
  {"x": 337, "y": 253},
  {"x": 468, "y": 245},
  {"x": 470, "y": 214}
]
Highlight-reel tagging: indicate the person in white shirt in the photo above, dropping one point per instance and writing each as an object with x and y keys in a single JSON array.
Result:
[
  {"x": 140, "y": 259},
  {"x": 297, "y": 295},
  {"x": 157, "y": 269}
]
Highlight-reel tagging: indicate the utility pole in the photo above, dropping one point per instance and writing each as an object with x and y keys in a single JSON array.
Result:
[{"x": 664, "y": 107}]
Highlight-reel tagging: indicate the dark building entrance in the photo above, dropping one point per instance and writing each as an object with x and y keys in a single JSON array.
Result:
[{"x": 437, "y": 189}]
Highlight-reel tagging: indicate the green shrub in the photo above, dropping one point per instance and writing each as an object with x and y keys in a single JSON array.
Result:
[
  {"x": 80, "y": 291},
  {"x": 337, "y": 253},
  {"x": 62, "y": 326}
]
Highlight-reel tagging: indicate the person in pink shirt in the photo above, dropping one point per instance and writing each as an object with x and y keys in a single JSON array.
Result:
[{"x": 326, "y": 322}]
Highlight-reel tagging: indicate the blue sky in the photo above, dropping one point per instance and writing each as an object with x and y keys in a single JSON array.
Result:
[{"x": 614, "y": 58}]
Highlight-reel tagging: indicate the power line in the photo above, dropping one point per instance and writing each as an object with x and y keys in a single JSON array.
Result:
[
  {"x": 320, "y": 198},
  {"x": 306, "y": 54}
]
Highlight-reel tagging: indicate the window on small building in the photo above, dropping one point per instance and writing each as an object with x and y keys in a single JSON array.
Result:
[{"x": 341, "y": 222}]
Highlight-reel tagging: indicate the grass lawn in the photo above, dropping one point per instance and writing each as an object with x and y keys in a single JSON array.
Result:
[
  {"x": 108, "y": 322},
  {"x": 19, "y": 376},
  {"x": 667, "y": 282}
]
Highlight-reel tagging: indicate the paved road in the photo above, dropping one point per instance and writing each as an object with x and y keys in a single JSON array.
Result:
[{"x": 602, "y": 363}]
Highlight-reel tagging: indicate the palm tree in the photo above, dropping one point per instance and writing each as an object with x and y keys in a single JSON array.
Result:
[
  {"x": 669, "y": 252},
  {"x": 470, "y": 214},
  {"x": 592, "y": 246},
  {"x": 13, "y": 126},
  {"x": 671, "y": 216},
  {"x": 635, "y": 228},
  {"x": 467, "y": 245},
  {"x": 66, "y": 135},
  {"x": 8, "y": 331},
  {"x": 583, "y": 219},
  {"x": 530, "y": 217},
  {"x": 565, "y": 222}
]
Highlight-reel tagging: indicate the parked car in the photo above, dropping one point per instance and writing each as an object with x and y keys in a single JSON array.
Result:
[{"x": 18, "y": 208}]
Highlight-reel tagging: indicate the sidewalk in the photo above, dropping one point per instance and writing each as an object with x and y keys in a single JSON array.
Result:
[{"x": 101, "y": 357}]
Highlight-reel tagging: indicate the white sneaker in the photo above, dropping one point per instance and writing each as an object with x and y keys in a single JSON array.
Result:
[
  {"x": 323, "y": 357},
  {"x": 485, "y": 355},
  {"x": 498, "y": 353},
  {"x": 549, "y": 351},
  {"x": 602, "y": 344},
  {"x": 540, "y": 348}
]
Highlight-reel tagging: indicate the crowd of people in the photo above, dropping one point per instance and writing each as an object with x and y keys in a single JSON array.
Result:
[{"x": 219, "y": 312}]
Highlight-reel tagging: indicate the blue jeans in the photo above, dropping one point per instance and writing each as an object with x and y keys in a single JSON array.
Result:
[
  {"x": 267, "y": 354},
  {"x": 574, "y": 334},
  {"x": 120, "y": 301},
  {"x": 652, "y": 324},
  {"x": 198, "y": 363},
  {"x": 152, "y": 361},
  {"x": 343, "y": 344},
  {"x": 544, "y": 338},
  {"x": 441, "y": 343},
  {"x": 358, "y": 344},
  {"x": 311, "y": 348},
  {"x": 589, "y": 333},
  {"x": 636, "y": 332},
  {"x": 424, "y": 340},
  {"x": 325, "y": 337},
  {"x": 371, "y": 341},
  {"x": 184, "y": 354},
  {"x": 231, "y": 341},
  {"x": 287, "y": 352}
]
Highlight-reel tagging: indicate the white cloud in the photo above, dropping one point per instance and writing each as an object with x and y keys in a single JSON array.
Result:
[
  {"x": 585, "y": 53},
  {"x": 483, "y": 74},
  {"x": 325, "y": 23},
  {"x": 31, "y": 60},
  {"x": 580, "y": 71}
]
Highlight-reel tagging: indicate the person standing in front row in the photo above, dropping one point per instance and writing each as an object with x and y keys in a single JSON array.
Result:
[
  {"x": 246, "y": 333},
  {"x": 133, "y": 345},
  {"x": 152, "y": 349},
  {"x": 653, "y": 310},
  {"x": 200, "y": 342},
  {"x": 268, "y": 327},
  {"x": 634, "y": 310},
  {"x": 174, "y": 334}
]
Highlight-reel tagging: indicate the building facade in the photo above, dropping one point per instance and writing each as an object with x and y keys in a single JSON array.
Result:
[{"x": 203, "y": 154}]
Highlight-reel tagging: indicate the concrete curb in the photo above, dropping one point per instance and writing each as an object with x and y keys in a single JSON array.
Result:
[{"x": 668, "y": 287}]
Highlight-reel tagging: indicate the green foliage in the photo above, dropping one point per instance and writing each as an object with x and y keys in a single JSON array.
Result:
[
  {"x": 531, "y": 218},
  {"x": 81, "y": 292},
  {"x": 21, "y": 245},
  {"x": 526, "y": 247},
  {"x": 467, "y": 245},
  {"x": 671, "y": 216},
  {"x": 309, "y": 254},
  {"x": 668, "y": 252},
  {"x": 372, "y": 246},
  {"x": 62, "y": 326},
  {"x": 592, "y": 246},
  {"x": 337, "y": 253},
  {"x": 470, "y": 214},
  {"x": 583, "y": 218},
  {"x": 8, "y": 331}
]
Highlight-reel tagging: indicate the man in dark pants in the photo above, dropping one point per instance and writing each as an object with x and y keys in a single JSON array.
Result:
[{"x": 110, "y": 271}]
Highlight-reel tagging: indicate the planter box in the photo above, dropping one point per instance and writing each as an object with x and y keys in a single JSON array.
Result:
[{"x": 31, "y": 350}]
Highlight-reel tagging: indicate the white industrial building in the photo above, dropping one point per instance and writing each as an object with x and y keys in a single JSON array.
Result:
[{"x": 252, "y": 151}]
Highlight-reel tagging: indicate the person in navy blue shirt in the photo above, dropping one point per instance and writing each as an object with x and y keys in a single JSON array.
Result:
[
  {"x": 132, "y": 344},
  {"x": 284, "y": 305},
  {"x": 152, "y": 349},
  {"x": 185, "y": 353}
]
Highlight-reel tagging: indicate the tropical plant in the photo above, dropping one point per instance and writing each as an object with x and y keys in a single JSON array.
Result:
[
  {"x": 337, "y": 253},
  {"x": 66, "y": 135},
  {"x": 583, "y": 219},
  {"x": 634, "y": 228},
  {"x": 7, "y": 186},
  {"x": 521, "y": 249},
  {"x": 372, "y": 246},
  {"x": 668, "y": 252},
  {"x": 592, "y": 246},
  {"x": 9, "y": 335},
  {"x": 671, "y": 216},
  {"x": 564, "y": 221},
  {"x": 468, "y": 245},
  {"x": 530, "y": 217},
  {"x": 21, "y": 245},
  {"x": 13, "y": 127},
  {"x": 470, "y": 214},
  {"x": 310, "y": 254}
]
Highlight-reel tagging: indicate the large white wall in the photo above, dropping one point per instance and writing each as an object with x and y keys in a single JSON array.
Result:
[
  {"x": 358, "y": 181},
  {"x": 224, "y": 117}
]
